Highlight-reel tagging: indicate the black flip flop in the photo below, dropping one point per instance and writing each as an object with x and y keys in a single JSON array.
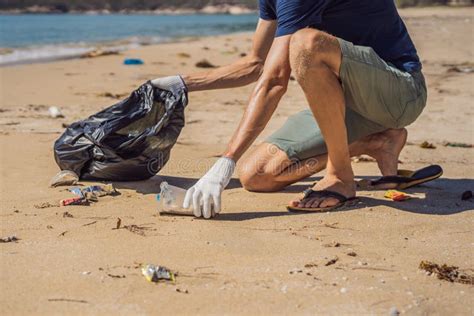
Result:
[
  {"x": 407, "y": 178},
  {"x": 310, "y": 193}
]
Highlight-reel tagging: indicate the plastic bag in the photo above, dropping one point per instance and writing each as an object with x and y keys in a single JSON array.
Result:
[{"x": 128, "y": 141}]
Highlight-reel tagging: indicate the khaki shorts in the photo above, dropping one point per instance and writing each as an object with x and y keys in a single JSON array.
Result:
[{"x": 378, "y": 96}]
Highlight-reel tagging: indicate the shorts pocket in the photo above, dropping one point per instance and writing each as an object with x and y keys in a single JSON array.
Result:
[
  {"x": 416, "y": 103},
  {"x": 401, "y": 99},
  {"x": 413, "y": 109}
]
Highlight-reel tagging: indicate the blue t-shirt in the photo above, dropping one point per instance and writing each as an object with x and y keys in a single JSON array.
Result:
[{"x": 373, "y": 23}]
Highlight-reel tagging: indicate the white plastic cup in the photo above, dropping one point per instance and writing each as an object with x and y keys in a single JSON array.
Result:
[{"x": 172, "y": 199}]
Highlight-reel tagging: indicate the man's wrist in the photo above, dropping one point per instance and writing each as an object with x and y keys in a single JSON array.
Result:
[
  {"x": 229, "y": 155},
  {"x": 188, "y": 82}
]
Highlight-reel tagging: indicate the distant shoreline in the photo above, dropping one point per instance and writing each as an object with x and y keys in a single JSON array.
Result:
[
  {"x": 141, "y": 30},
  {"x": 99, "y": 48},
  {"x": 170, "y": 10},
  {"x": 210, "y": 9}
]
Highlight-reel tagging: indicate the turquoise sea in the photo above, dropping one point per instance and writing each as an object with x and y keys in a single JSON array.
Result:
[{"x": 34, "y": 38}]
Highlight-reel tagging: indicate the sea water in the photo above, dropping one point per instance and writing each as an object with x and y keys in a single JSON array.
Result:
[{"x": 40, "y": 37}]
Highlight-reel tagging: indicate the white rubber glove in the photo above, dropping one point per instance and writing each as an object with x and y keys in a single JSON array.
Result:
[
  {"x": 171, "y": 83},
  {"x": 207, "y": 191}
]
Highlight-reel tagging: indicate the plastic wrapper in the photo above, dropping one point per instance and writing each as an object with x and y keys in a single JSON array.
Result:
[
  {"x": 154, "y": 273},
  {"x": 397, "y": 196},
  {"x": 94, "y": 191},
  {"x": 128, "y": 141},
  {"x": 74, "y": 201}
]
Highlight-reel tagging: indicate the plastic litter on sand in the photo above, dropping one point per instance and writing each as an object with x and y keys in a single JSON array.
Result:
[
  {"x": 74, "y": 201},
  {"x": 94, "y": 191},
  {"x": 64, "y": 177},
  {"x": 172, "y": 199},
  {"x": 55, "y": 112},
  {"x": 154, "y": 273},
  {"x": 88, "y": 194},
  {"x": 133, "y": 61},
  {"x": 9, "y": 239},
  {"x": 395, "y": 195}
]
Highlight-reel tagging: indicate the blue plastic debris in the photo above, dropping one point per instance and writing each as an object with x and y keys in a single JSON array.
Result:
[
  {"x": 76, "y": 191},
  {"x": 133, "y": 61},
  {"x": 94, "y": 191}
]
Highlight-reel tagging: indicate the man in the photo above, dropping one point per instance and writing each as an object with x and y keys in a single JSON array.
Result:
[{"x": 361, "y": 76}]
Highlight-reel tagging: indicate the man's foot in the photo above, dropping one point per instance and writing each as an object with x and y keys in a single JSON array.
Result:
[
  {"x": 329, "y": 183},
  {"x": 385, "y": 148}
]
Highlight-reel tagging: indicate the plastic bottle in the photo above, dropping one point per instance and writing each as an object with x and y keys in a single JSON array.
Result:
[{"x": 172, "y": 199}]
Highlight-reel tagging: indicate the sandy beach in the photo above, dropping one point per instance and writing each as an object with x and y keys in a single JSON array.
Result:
[{"x": 255, "y": 258}]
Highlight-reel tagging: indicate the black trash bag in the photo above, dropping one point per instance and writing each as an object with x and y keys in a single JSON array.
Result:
[{"x": 130, "y": 140}]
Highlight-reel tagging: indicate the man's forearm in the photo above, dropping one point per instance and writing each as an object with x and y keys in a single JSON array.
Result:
[
  {"x": 240, "y": 73},
  {"x": 264, "y": 101},
  {"x": 270, "y": 88}
]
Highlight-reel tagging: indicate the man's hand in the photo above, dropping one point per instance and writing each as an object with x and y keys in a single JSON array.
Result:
[
  {"x": 171, "y": 83},
  {"x": 207, "y": 191}
]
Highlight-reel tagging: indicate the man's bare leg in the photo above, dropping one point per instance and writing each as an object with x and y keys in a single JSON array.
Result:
[
  {"x": 268, "y": 169},
  {"x": 315, "y": 58}
]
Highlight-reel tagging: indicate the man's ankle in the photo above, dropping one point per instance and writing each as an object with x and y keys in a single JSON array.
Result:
[{"x": 345, "y": 175}]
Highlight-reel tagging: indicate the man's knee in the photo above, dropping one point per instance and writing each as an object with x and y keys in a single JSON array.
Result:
[
  {"x": 256, "y": 173},
  {"x": 308, "y": 39},
  {"x": 258, "y": 181},
  {"x": 309, "y": 48},
  {"x": 259, "y": 171}
]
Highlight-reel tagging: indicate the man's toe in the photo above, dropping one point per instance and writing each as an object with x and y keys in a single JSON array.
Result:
[
  {"x": 315, "y": 203},
  {"x": 308, "y": 203},
  {"x": 329, "y": 202}
]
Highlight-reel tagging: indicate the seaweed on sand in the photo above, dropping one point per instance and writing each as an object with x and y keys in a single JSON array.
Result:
[{"x": 447, "y": 273}]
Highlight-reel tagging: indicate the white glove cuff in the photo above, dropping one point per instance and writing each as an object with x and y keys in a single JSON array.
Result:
[
  {"x": 171, "y": 83},
  {"x": 222, "y": 169}
]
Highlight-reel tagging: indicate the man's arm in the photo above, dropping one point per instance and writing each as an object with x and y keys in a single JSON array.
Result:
[
  {"x": 270, "y": 88},
  {"x": 242, "y": 72}
]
